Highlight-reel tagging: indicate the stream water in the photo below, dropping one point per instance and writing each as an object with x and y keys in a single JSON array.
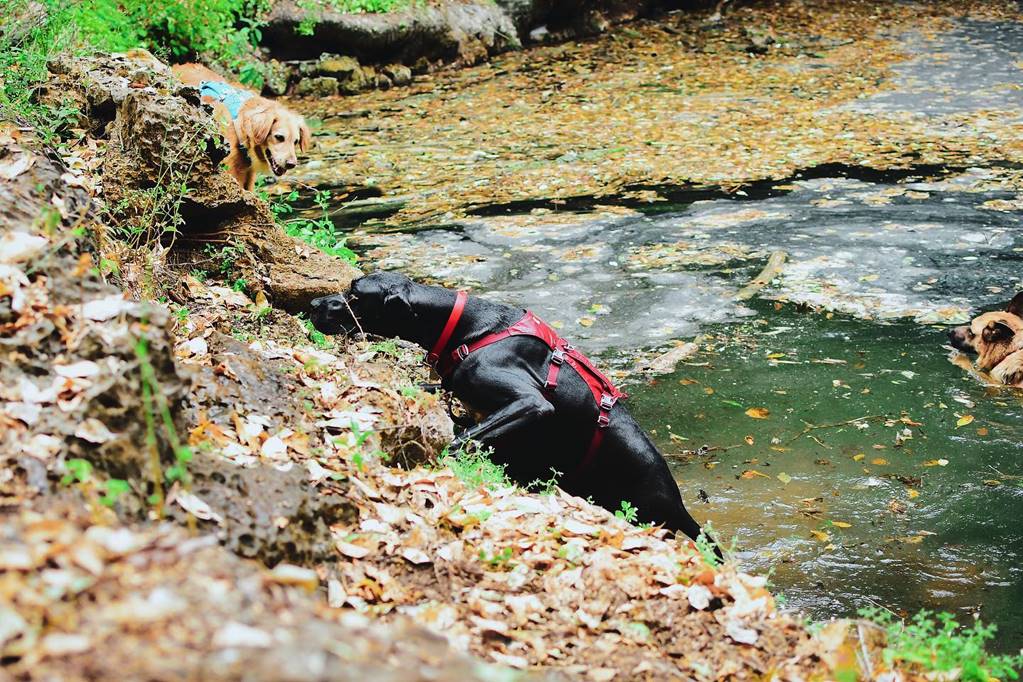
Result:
[{"x": 882, "y": 474}]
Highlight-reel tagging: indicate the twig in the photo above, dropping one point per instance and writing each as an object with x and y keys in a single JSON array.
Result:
[
  {"x": 864, "y": 655},
  {"x": 815, "y": 427},
  {"x": 774, "y": 264}
]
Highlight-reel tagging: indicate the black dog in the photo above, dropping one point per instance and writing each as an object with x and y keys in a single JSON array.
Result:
[{"x": 531, "y": 430}]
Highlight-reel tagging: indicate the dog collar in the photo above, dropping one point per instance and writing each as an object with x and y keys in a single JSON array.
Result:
[
  {"x": 449, "y": 328},
  {"x": 231, "y": 97}
]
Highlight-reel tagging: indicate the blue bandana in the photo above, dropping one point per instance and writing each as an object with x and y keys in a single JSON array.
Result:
[{"x": 230, "y": 96}]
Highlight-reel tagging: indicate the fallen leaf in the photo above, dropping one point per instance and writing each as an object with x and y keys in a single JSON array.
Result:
[
  {"x": 820, "y": 535},
  {"x": 841, "y": 524},
  {"x": 936, "y": 463},
  {"x": 240, "y": 635},
  {"x": 879, "y": 461},
  {"x": 350, "y": 550},
  {"x": 964, "y": 420},
  {"x": 758, "y": 412},
  {"x": 784, "y": 478}
]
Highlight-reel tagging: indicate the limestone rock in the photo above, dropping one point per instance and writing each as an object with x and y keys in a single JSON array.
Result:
[{"x": 319, "y": 86}]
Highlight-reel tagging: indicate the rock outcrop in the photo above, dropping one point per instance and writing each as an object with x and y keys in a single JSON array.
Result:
[
  {"x": 460, "y": 33},
  {"x": 162, "y": 180}
]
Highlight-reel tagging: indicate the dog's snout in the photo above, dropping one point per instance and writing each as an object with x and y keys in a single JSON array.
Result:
[{"x": 291, "y": 163}]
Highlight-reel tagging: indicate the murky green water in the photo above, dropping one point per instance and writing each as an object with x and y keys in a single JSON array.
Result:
[{"x": 932, "y": 507}]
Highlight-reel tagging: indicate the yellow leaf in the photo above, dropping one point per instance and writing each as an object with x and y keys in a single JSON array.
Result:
[
  {"x": 982, "y": 431},
  {"x": 858, "y": 457},
  {"x": 752, "y": 473},
  {"x": 749, "y": 440},
  {"x": 964, "y": 420},
  {"x": 758, "y": 412},
  {"x": 913, "y": 494},
  {"x": 784, "y": 478},
  {"x": 936, "y": 463},
  {"x": 586, "y": 321},
  {"x": 688, "y": 382},
  {"x": 775, "y": 356},
  {"x": 879, "y": 461},
  {"x": 820, "y": 535},
  {"x": 841, "y": 524},
  {"x": 708, "y": 390}
]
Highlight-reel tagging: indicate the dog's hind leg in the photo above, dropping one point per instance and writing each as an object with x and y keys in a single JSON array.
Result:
[{"x": 519, "y": 414}]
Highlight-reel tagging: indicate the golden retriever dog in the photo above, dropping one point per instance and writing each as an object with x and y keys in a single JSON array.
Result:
[
  {"x": 996, "y": 339},
  {"x": 265, "y": 136}
]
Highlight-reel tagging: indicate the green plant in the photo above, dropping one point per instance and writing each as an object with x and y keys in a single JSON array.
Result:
[
  {"x": 115, "y": 487},
  {"x": 318, "y": 338},
  {"x": 355, "y": 447},
  {"x": 223, "y": 258},
  {"x": 706, "y": 547},
  {"x": 500, "y": 560},
  {"x": 937, "y": 643},
  {"x": 388, "y": 347},
  {"x": 548, "y": 487},
  {"x": 627, "y": 512},
  {"x": 155, "y": 405},
  {"x": 474, "y": 467},
  {"x": 79, "y": 471},
  {"x": 318, "y": 232},
  {"x": 314, "y": 8}
]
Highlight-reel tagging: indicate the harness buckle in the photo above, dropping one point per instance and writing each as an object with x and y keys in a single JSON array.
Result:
[
  {"x": 606, "y": 402},
  {"x": 558, "y": 357},
  {"x": 603, "y": 420},
  {"x": 462, "y": 352}
]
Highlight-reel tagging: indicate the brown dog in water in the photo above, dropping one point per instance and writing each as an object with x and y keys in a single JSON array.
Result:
[
  {"x": 265, "y": 136},
  {"x": 996, "y": 339}
]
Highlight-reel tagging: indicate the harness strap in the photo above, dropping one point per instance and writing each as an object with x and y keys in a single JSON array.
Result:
[
  {"x": 607, "y": 401},
  {"x": 449, "y": 328},
  {"x": 557, "y": 360},
  {"x": 605, "y": 394}
]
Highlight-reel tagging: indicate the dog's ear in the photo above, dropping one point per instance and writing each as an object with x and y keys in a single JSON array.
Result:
[
  {"x": 398, "y": 300},
  {"x": 996, "y": 331},
  {"x": 304, "y": 137},
  {"x": 1015, "y": 306},
  {"x": 257, "y": 126}
]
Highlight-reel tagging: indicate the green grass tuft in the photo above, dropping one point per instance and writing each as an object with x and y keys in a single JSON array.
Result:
[{"x": 935, "y": 642}]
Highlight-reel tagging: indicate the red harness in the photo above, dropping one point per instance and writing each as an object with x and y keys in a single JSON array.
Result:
[{"x": 604, "y": 392}]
